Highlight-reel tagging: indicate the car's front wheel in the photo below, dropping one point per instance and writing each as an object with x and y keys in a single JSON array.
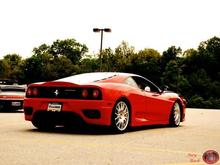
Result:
[
  {"x": 175, "y": 116},
  {"x": 121, "y": 116}
]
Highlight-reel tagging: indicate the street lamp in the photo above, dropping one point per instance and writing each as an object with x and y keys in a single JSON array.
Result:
[{"x": 97, "y": 30}]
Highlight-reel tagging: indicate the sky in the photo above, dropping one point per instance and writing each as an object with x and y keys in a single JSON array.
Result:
[{"x": 157, "y": 24}]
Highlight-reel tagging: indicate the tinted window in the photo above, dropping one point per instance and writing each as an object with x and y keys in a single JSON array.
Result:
[
  {"x": 130, "y": 81},
  {"x": 142, "y": 83}
]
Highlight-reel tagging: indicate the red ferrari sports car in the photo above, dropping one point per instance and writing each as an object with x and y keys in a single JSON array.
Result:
[{"x": 119, "y": 100}]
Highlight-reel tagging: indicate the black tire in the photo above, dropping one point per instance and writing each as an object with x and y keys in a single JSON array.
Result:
[
  {"x": 120, "y": 116},
  {"x": 175, "y": 116}
]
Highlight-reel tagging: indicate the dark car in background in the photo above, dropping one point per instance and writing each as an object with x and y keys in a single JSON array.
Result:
[{"x": 11, "y": 95}]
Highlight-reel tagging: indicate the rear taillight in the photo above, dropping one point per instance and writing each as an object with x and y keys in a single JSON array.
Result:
[
  {"x": 32, "y": 92},
  {"x": 85, "y": 93},
  {"x": 35, "y": 92},
  {"x": 95, "y": 93},
  {"x": 91, "y": 94},
  {"x": 28, "y": 92}
]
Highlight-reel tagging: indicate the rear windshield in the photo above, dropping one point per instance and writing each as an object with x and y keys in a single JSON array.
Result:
[{"x": 88, "y": 77}]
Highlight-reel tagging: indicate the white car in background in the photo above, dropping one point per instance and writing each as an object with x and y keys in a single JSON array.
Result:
[{"x": 11, "y": 95}]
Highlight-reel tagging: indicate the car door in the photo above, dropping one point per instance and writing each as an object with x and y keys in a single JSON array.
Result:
[{"x": 156, "y": 106}]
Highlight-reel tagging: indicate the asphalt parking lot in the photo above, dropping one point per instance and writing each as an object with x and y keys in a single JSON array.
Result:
[{"x": 22, "y": 144}]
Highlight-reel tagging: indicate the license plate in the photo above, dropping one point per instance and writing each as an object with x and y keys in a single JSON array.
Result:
[
  {"x": 54, "y": 107},
  {"x": 15, "y": 103}
]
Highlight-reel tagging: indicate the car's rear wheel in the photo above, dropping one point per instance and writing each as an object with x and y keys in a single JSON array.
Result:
[
  {"x": 121, "y": 116},
  {"x": 175, "y": 116}
]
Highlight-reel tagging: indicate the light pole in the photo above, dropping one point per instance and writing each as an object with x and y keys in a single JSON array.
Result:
[{"x": 97, "y": 30}]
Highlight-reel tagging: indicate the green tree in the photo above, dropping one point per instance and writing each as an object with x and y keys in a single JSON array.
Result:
[
  {"x": 4, "y": 67},
  {"x": 41, "y": 50},
  {"x": 201, "y": 83},
  {"x": 11, "y": 67},
  {"x": 50, "y": 62},
  {"x": 109, "y": 60},
  {"x": 56, "y": 68},
  {"x": 32, "y": 69},
  {"x": 46, "y": 67},
  {"x": 172, "y": 53},
  {"x": 89, "y": 64},
  {"x": 189, "y": 61},
  {"x": 146, "y": 63},
  {"x": 123, "y": 54},
  {"x": 171, "y": 75},
  {"x": 69, "y": 48},
  {"x": 209, "y": 57},
  {"x": 203, "y": 74}
]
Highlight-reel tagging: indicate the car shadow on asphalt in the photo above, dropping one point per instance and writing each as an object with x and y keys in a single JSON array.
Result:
[
  {"x": 85, "y": 130},
  {"x": 97, "y": 130},
  {"x": 11, "y": 111}
]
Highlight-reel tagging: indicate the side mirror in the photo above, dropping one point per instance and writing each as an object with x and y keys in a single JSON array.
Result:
[
  {"x": 165, "y": 88},
  {"x": 147, "y": 89}
]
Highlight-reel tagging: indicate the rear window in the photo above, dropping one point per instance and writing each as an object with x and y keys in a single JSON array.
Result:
[
  {"x": 88, "y": 77},
  {"x": 130, "y": 81}
]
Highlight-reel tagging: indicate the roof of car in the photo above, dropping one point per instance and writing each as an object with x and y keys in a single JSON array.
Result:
[
  {"x": 92, "y": 77},
  {"x": 7, "y": 82}
]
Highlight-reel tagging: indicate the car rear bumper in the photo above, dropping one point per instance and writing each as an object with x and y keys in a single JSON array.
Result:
[
  {"x": 11, "y": 104},
  {"x": 90, "y": 111}
]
